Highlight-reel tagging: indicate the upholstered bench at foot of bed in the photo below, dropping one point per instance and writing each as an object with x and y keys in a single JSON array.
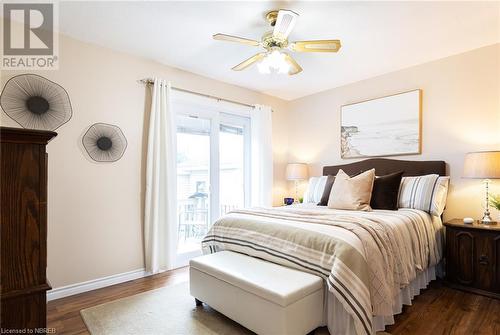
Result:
[{"x": 264, "y": 297}]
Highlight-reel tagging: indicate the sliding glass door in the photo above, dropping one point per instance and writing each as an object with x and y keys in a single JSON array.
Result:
[
  {"x": 234, "y": 155},
  {"x": 193, "y": 180},
  {"x": 213, "y": 160}
]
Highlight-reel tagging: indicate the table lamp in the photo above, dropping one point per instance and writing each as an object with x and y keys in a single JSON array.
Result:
[
  {"x": 296, "y": 172},
  {"x": 483, "y": 165}
]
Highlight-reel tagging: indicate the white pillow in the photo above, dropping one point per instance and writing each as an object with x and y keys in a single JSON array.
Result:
[
  {"x": 427, "y": 193},
  {"x": 319, "y": 189},
  {"x": 311, "y": 185},
  {"x": 315, "y": 188}
]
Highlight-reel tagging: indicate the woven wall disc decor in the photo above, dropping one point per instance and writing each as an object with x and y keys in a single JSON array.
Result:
[
  {"x": 104, "y": 142},
  {"x": 35, "y": 102}
]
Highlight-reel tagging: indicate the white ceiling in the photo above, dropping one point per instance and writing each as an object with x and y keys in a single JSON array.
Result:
[{"x": 377, "y": 37}]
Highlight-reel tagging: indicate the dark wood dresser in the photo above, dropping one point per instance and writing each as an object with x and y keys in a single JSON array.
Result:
[
  {"x": 473, "y": 257},
  {"x": 23, "y": 229}
]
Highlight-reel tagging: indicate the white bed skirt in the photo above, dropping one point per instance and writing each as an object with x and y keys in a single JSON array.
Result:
[{"x": 339, "y": 322}]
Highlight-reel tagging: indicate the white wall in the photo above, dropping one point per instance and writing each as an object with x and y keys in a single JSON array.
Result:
[
  {"x": 461, "y": 113},
  {"x": 95, "y": 210}
]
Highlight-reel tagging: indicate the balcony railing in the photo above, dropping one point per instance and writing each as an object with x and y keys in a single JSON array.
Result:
[{"x": 194, "y": 221}]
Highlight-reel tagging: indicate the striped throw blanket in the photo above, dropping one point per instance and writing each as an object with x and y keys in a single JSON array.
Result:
[{"x": 364, "y": 257}]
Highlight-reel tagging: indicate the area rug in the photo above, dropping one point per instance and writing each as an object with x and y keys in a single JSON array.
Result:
[{"x": 170, "y": 310}]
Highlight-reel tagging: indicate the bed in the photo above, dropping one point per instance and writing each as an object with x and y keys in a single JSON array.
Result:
[{"x": 371, "y": 262}]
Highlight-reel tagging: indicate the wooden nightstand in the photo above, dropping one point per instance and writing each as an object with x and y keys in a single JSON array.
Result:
[{"x": 473, "y": 257}]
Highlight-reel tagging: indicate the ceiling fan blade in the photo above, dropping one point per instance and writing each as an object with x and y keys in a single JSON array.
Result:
[
  {"x": 284, "y": 23},
  {"x": 230, "y": 38},
  {"x": 294, "y": 66},
  {"x": 316, "y": 46},
  {"x": 246, "y": 63}
]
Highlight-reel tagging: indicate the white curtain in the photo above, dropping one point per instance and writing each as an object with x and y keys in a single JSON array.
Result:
[
  {"x": 262, "y": 156},
  {"x": 160, "y": 204}
]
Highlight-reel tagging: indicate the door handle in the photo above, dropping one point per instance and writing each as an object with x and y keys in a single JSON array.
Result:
[{"x": 483, "y": 260}]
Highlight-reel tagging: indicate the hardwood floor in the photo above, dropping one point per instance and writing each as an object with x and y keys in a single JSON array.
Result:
[
  {"x": 437, "y": 310},
  {"x": 64, "y": 314},
  {"x": 442, "y": 310}
]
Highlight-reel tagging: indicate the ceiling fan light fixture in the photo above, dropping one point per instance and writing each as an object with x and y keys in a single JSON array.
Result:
[
  {"x": 274, "y": 62},
  {"x": 276, "y": 56}
]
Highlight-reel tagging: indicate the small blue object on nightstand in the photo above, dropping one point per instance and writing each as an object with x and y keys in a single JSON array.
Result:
[{"x": 288, "y": 201}]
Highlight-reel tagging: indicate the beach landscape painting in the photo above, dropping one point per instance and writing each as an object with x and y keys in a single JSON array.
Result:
[{"x": 384, "y": 126}]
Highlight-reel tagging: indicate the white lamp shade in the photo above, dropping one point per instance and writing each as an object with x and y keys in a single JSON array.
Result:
[
  {"x": 296, "y": 171},
  {"x": 482, "y": 165}
]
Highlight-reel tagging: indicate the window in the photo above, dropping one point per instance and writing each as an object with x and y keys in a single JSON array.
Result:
[{"x": 213, "y": 177}]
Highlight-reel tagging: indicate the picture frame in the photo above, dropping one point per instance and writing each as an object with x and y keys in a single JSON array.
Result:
[{"x": 390, "y": 125}]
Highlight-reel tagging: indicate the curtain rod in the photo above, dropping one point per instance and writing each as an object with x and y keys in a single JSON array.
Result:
[{"x": 149, "y": 81}]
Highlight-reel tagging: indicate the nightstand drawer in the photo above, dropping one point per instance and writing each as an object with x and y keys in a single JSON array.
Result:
[{"x": 472, "y": 258}]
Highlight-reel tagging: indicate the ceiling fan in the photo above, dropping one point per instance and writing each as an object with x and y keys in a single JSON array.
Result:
[{"x": 275, "y": 42}]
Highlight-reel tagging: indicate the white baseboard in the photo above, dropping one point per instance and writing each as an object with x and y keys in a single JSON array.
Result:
[{"x": 66, "y": 291}]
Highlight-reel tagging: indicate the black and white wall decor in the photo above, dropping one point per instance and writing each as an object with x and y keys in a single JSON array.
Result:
[
  {"x": 104, "y": 142},
  {"x": 35, "y": 102},
  {"x": 385, "y": 126}
]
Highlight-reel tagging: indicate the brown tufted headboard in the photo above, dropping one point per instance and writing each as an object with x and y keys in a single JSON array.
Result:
[{"x": 385, "y": 166}]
